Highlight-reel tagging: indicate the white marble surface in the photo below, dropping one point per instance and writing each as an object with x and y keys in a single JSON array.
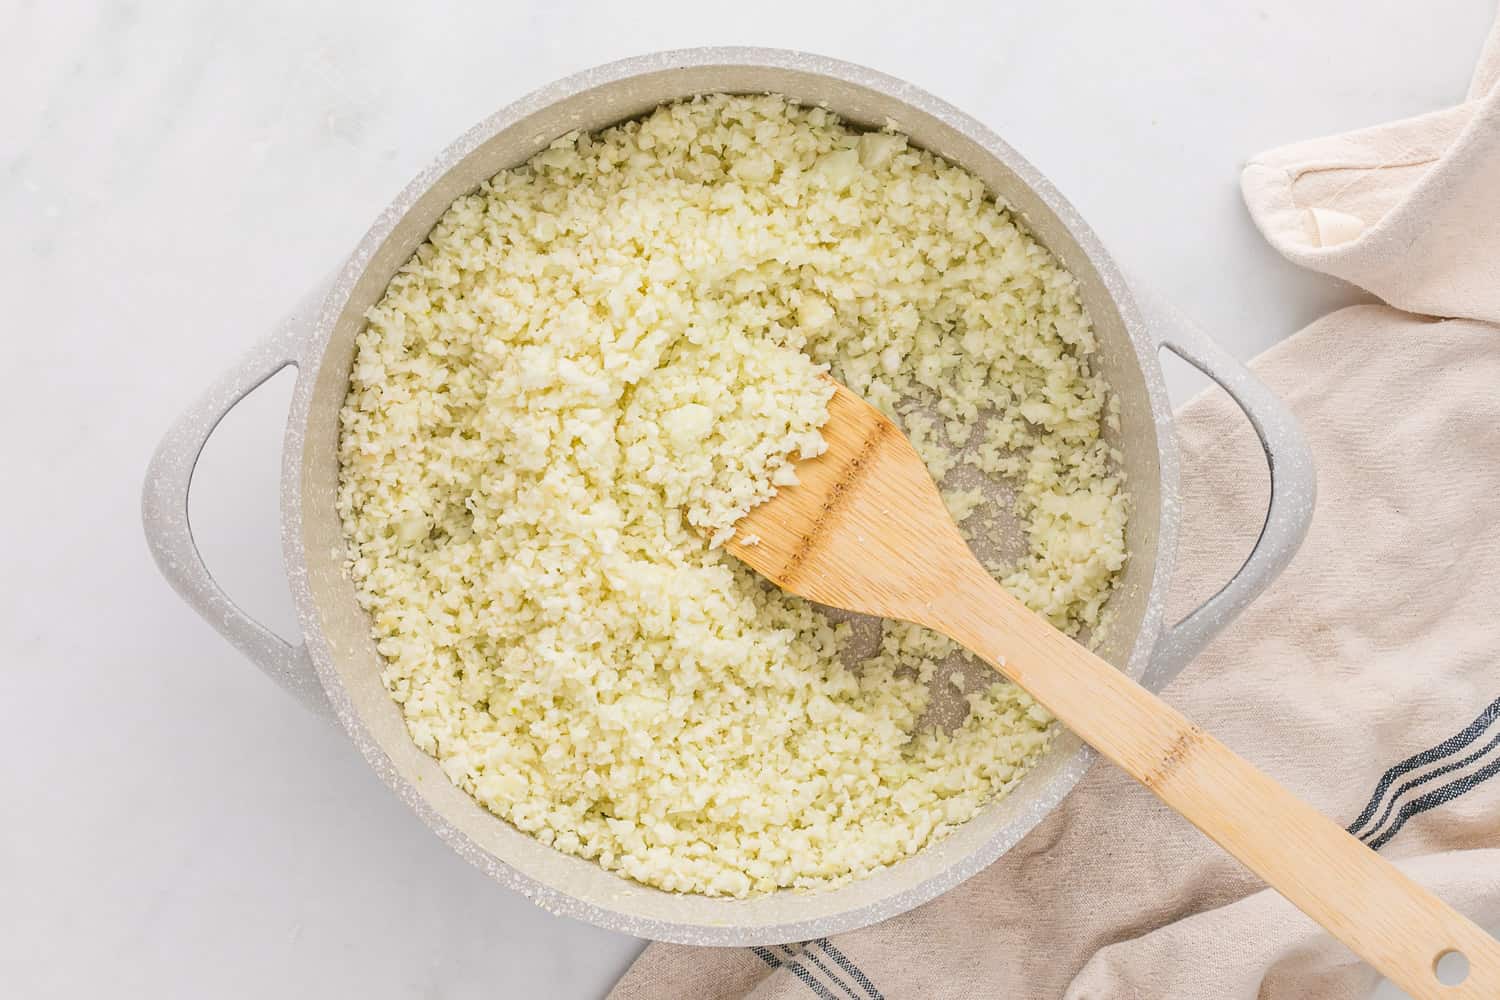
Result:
[{"x": 172, "y": 176}]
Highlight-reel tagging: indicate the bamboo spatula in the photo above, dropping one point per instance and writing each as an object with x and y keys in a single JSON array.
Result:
[{"x": 865, "y": 530}]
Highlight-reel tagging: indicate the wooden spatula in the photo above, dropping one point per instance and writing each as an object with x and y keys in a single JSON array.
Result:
[{"x": 865, "y": 530}]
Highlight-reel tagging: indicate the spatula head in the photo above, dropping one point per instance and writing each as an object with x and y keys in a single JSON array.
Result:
[{"x": 864, "y": 529}]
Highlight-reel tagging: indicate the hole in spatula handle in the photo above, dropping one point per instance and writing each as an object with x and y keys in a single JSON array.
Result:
[{"x": 1451, "y": 967}]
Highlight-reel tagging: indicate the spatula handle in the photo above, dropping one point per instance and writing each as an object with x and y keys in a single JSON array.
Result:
[{"x": 1358, "y": 896}]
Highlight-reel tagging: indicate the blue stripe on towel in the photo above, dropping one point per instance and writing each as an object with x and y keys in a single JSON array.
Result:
[
  {"x": 1370, "y": 835},
  {"x": 1447, "y": 793},
  {"x": 787, "y": 956},
  {"x": 800, "y": 971},
  {"x": 1447, "y": 748},
  {"x": 849, "y": 967},
  {"x": 832, "y": 976},
  {"x": 767, "y": 957}
]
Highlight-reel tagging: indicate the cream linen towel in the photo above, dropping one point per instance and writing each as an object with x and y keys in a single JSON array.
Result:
[{"x": 1366, "y": 679}]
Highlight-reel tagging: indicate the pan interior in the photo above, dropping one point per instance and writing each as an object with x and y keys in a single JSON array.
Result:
[{"x": 351, "y": 665}]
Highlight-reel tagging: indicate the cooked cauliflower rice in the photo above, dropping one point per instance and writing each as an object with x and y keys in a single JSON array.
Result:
[{"x": 593, "y": 367}]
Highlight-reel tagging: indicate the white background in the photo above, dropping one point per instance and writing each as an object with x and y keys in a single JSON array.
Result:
[{"x": 172, "y": 177}]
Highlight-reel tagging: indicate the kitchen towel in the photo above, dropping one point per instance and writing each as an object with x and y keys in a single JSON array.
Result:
[{"x": 1367, "y": 679}]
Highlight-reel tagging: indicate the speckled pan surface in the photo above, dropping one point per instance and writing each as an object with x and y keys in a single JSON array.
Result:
[{"x": 336, "y": 670}]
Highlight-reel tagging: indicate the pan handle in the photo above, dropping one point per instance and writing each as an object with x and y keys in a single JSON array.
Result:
[
  {"x": 1293, "y": 486},
  {"x": 164, "y": 509}
]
